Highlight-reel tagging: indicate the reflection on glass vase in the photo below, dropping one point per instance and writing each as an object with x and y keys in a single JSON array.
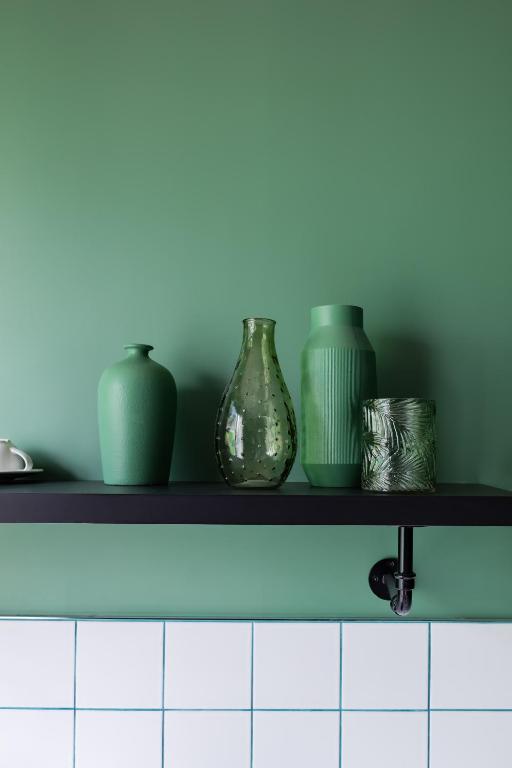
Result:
[{"x": 256, "y": 437}]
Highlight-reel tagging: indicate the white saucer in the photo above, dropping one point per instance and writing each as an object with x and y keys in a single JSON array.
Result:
[{"x": 9, "y": 475}]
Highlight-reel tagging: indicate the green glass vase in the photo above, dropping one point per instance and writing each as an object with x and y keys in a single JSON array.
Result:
[
  {"x": 399, "y": 445},
  {"x": 256, "y": 439},
  {"x": 338, "y": 373},
  {"x": 136, "y": 418}
]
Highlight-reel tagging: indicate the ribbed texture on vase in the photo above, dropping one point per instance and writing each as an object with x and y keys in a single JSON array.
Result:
[
  {"x": 335, "y": 395},
  {"x": 341, "y": 378}
]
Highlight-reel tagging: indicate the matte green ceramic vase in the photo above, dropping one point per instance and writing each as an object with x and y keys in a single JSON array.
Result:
[
  {"x": 338, "y": 373},
  {"x": 136, "y": 417}
]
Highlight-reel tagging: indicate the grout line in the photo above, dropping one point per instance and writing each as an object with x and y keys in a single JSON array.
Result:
[
  {"x": 108, "y": 709},
  {"x": 163, "y": 690},
  {"x": 429, "y": 671},
  {"x": 341, "y": 696},
  {"x": 247, "y": 620},
  {"x": 260, "y": 620},
  {"x": 74, "y": 693},
  {"x": 295, "y": 709},
  {"x": 207, "y": 709},
  {"x": 489, "y": 709},
  {"x": 36, "y": 709},
  {"x": 247, "y": 709},
  {"x": 252, "y": 696},
  {"x": 395, "y": 709}
]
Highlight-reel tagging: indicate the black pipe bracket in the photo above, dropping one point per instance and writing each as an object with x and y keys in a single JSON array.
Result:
[{"x": 393, "y": 579}]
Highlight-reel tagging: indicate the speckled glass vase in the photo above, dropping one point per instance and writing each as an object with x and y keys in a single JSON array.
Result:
[
  {"x": 256, "y": 437},
  {"x": 399, "y": 445}
]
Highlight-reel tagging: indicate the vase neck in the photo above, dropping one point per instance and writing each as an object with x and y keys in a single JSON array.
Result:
[
  {"x": 258, "y": 336},
  {"x": 336, "y": 314},
  {"x": 138, "y": 350}
]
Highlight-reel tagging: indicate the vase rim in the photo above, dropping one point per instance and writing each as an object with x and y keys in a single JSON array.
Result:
[
  {"x": 335, "y": 314},
  {"x": 258, "y": 320},
  {"x": 335, "y": 306},
  {"x": 395, "y": 400},
  {"x": 138, "y": 347}
]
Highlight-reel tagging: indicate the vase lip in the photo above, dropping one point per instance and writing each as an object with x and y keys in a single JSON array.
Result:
[
  {"x": 336, "y": 314},
  {"x": 259, "y": 320},
  {"x": 399, "y": 400},
  {"x": 136, "y": 347}
]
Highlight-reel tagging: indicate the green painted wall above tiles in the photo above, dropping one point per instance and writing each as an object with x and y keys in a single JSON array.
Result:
[{"x": 169, "y": 167}]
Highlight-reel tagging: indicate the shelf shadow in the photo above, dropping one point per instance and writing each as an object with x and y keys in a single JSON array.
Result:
[{"x": 194, "y": 445}]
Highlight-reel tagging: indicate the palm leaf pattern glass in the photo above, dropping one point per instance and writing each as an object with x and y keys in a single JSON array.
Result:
[{"x": 399, "y": 445}]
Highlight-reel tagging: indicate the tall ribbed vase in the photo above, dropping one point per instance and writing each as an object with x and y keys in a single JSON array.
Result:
[
  {"x": 136, "y": 417},
  {"x": 338, "y": 373}
]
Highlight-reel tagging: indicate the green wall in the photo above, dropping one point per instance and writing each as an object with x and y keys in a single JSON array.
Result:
[{"x": 169, "y": 167}]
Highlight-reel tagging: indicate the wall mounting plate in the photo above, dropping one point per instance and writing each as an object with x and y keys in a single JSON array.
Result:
[{"x": 378, "y": 576}]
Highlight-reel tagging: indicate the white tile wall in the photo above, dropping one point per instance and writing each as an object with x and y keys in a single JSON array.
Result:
[
  {"x": 371, "y": 653},
  {"x": 296, "y": 666},
  {"x": 119, "y": 664},
  {"x": 207, "y": 739},
  {"x": 208, "y": 665},
  {"x": 122, "y": 694},
  {"x": 110, "y": 739},
  {"x": 385, "y": 739},
  {"x": 296, "y": 739},
  {"x": 36, "y": 663},
  {"x": 472, "y": 666},
  {"x": 36, "y": 738},
  {"x": 471, "y": 739}
]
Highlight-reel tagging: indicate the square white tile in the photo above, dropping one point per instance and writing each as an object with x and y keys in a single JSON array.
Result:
[
  {"x": 36, "y": 739},
  {"x": 208, "y": 665},
  {"x": 119, "y": 664},
  {"x": 471, "y": 666},
  {"x": 471, "y": 739},
  {"x": 118, "y": 739},
  {"x": 36, "y": 663},
  {"x": 207, "y": 740},
  {"x": 296, "y": 739},
  {"x": 385, "y": 666},
  {"x": 385, "y": 740},
  {"x": 297, "y": 665}
]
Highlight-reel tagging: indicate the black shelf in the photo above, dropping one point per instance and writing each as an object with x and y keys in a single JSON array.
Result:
[{"x": 216, "y": 504}]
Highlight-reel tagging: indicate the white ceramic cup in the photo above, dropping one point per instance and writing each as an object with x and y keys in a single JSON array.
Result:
[{"x": 12, "y": 459}]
